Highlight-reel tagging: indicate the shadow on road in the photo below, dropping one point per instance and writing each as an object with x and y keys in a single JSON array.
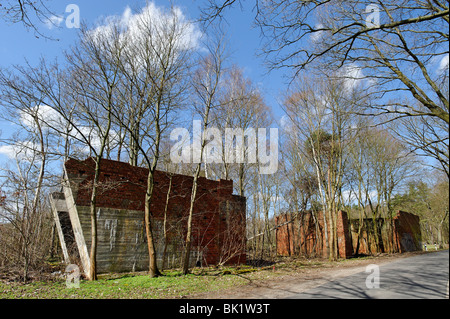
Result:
[{"x": 419, "y": 277}]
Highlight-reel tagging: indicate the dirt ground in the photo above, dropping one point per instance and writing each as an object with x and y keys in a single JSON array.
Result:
[{"x": 286, "y": 281}]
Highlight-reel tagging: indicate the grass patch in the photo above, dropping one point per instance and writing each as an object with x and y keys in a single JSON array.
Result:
[
  {"x": 173, "y": 284},
  {"x": 129, "y": 286}
]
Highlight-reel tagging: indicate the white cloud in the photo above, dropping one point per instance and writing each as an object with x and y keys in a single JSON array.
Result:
[
  {"x": 8, "y": 150},
  {"x": 317, "y": 35},
  {"x": 49, "y": 119},
  {"x": 159, "y": 20},
  {"x": 285, "y": 122},
  {"x": 444, "y": 63},
  {"x": 126, "y": 16},
  {"x": 47, "y": 116},
  {"x": 21, "y": 150},
  {"x": 54, "y": 21},
  {"x": 147, "y": 28},
  {"x": 438, "y": 63},
  {"x": 353, "y": 76}
]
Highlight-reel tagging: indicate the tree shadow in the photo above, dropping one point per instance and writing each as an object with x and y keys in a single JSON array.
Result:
[{"x": 410, "y": 278}]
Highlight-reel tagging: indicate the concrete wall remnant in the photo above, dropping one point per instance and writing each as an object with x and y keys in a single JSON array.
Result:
[{"x": 218, "y": 219}]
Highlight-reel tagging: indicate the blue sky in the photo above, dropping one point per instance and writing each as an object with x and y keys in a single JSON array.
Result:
[{"x": 20, "y": 44}]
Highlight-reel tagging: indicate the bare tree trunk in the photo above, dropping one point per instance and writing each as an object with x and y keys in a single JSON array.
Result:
[
  {"x": 152, "y": 267},
  {"x": 93, "y": 250},
  {"x": 165, "y": 223},
  {"x": 187, "y": 249},
  {"x": 205, "y": 83},
  {"x": 241, "y": 179}
]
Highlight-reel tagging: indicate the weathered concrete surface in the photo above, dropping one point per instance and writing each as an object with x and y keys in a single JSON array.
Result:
[{"x": 218, "y": 223}]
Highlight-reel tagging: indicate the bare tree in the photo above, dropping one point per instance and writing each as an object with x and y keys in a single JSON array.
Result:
[
  {"x": 318, "y": 116},
  {"x": 25, "y": 12},
  {"x": 206, "y": 84},
  {"x": 25, "y": 230},
  {"x": 242, "y": 108},
  {"x": 378, "y": 167},
  {"x": 399, "y": 49},
  {"x": 29, "y": 148},
  {"x": 95, "y": 74},
  {"x": 426, "y": 137},
  {"x": 154, "y": 68}
]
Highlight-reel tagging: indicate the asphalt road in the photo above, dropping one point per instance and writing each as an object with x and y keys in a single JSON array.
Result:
[{"x": 419, "y": 277}]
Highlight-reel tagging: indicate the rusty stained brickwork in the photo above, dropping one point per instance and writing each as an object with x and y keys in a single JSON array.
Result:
[
  {"x": 407, "y": 234},
  {"x": 303, "y": 234},
  {"x": 401, "y": 233},
  {"x": 218, "y": 218}
]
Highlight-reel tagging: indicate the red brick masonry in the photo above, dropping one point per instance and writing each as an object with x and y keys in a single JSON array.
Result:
[
  {"x": 218, "y": 218},
  {"x": 304, "y": 234}
]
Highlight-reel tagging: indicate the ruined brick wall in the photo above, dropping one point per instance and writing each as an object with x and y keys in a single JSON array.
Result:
[
  {"x": 399, "y": 234},
  {"x": 365, "y": 240},
  {"x": 297, "y": 235},
  {"x": 345, "y": 246},
  {"x": 287, "y": 235},
  {"x": 300, "y": 235},
  {"x": 218, "y": 224},
  {"x": 303, "y": 234},
  {"x": 407, "y": 234}
]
